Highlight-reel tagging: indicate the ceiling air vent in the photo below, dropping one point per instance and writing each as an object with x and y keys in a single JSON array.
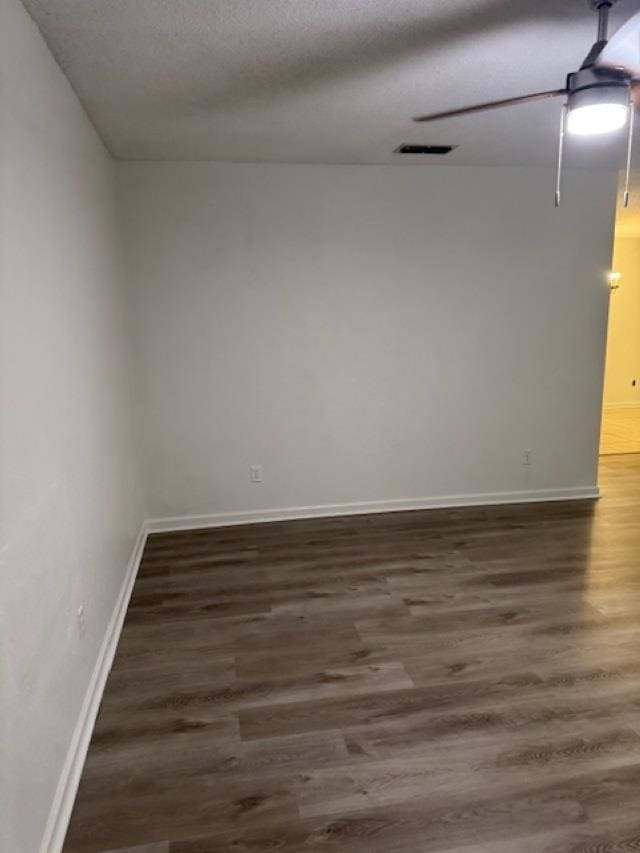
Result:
[{"x": 424, "y": 149}]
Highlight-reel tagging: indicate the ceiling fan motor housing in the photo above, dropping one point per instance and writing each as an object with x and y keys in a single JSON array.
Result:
[{"x": 595, "y": 85}]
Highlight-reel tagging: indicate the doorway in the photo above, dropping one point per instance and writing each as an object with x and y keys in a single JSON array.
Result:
[{"x": 620, "y": 432}]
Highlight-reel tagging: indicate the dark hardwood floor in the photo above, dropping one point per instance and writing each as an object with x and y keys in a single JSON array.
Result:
[{"x": 461, "y": 680}]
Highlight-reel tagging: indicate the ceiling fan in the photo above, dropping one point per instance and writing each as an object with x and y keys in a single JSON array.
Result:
[{"x": 600, "y": 95}]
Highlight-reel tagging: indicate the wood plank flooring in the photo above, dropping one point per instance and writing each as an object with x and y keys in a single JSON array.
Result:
[
  {"x": 620, "y": 432},
  {"x": 457, "y": 680}
]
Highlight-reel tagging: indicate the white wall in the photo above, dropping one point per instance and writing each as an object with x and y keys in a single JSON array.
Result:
[
  {"x": 623, "y": 339},
  {"x": 364, "y": 332},
  {"x": 70, "y": 508}
]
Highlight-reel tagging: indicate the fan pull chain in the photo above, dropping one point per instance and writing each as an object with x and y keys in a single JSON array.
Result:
[
  {"x": 627, "y": 178},
  {"x": 563, "y": 116}
]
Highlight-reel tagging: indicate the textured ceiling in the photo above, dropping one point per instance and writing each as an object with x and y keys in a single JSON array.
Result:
[{"x": 330, "y": 81}]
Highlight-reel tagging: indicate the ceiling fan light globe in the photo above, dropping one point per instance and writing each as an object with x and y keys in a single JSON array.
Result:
[{"x": 596, "y": 119}]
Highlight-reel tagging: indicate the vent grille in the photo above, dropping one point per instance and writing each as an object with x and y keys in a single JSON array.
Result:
[{"x": 424, "y": 149}]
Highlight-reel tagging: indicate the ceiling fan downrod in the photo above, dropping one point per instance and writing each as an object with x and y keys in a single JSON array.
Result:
[{"x": 603, "y": 7}]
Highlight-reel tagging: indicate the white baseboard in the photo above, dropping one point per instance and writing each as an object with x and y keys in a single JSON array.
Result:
[
  {"x": 226, "y": 519},
  {"x": 66, "y": 790}
]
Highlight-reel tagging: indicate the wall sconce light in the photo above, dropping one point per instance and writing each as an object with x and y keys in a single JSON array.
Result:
[{"x": 614, "y": 280}]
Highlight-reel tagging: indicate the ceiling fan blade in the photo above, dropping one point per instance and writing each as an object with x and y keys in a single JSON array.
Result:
[
  {"x": 623, "y": 48},
  {"x": 493, "y": 105}
]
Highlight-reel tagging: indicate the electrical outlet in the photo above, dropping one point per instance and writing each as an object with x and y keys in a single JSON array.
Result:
[
  {"x": 80, "y": 618},
  {"x": 255, "y": 473},
  {"x": 527, "y": 457}
]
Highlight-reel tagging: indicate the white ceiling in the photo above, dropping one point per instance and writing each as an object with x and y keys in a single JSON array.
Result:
[{"x": 331, "y": 81}]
